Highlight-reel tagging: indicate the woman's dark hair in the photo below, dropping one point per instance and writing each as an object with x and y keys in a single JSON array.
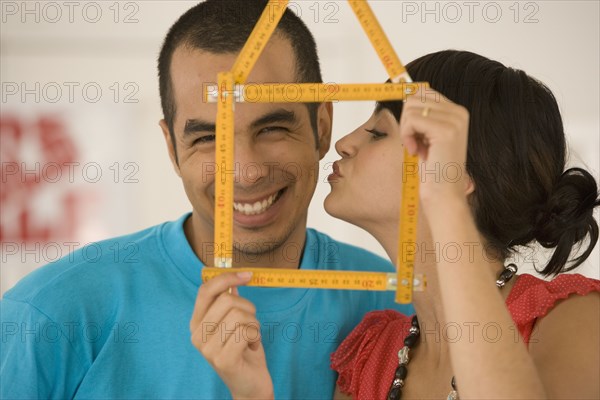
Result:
[{"x": 516, "y": 157}]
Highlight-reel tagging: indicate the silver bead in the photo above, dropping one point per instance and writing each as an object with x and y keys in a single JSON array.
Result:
[
  {"x": 398, "y": 383},
  {"x": 506, "y": 275},
  {"x": 414, "y": 330},
  {"x": 403, "y": 355}
]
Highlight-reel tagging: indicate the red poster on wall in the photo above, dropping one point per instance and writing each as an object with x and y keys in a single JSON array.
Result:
[
  {"x": 69, "y": 177},
  {"x": 38, "y": 153}
]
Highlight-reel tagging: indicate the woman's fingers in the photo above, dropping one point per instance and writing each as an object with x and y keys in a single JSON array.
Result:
[
  {"x": 436, "y": 129},
  {"x": 420, "y": 132}
]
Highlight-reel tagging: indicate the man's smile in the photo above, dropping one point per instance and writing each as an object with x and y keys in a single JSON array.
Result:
[{"x": 257, "y": 206}]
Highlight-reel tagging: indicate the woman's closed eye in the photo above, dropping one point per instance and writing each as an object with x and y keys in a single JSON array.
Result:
[{"x": 375, "y": 134}]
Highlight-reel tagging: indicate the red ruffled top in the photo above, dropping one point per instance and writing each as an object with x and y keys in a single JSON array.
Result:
[{"x": 366, "y": 358}]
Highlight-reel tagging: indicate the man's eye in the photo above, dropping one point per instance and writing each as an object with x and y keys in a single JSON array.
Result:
[
  {"x": 273, "y": 129},
  {"x": 205, "y": 139},
  {"x": 375, "y": 134}
]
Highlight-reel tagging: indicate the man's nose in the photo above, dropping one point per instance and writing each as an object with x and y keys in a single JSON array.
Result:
[{"x": 250, "y": 167}]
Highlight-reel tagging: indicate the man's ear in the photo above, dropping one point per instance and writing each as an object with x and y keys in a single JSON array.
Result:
[
  {"x": 324, "y": 126},
  {"x": 170, "y": 145}
]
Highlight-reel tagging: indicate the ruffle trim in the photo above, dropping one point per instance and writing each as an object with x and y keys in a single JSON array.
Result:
[
  {"x": 352, "y": 355},
  {"x": 532, "y": 298}
]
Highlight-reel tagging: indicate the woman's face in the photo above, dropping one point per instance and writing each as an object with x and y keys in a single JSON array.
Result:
[{"x": 366, "y": 183}]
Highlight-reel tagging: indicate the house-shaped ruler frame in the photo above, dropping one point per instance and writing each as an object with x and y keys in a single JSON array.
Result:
[{"x": 231, "y": 89}]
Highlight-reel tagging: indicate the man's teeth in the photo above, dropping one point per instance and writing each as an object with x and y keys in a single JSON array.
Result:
[{"x": 256, "y": 208}]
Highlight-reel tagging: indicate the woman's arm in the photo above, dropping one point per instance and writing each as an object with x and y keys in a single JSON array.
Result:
[
  {"x": 339, "y": 395},
  {"x": 565, "y": 347},
  {"x": 490, "y": 364}
]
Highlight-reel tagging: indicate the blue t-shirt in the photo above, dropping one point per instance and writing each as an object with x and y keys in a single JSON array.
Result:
[{"x": 111, "y": 321}]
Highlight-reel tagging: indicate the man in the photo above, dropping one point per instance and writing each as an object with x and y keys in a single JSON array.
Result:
[{"x": 120, "y": 328}]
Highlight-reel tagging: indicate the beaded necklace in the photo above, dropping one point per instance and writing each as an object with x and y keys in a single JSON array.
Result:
[{"x": 395, "y": 392}]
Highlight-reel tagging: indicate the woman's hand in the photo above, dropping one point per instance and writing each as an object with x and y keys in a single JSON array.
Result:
[
  {"x": 436, "y": 129},
  {"x": 225, "y": 330}
]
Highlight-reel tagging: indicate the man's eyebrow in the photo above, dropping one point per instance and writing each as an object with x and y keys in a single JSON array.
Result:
[
  {"x": 195, "y": 125},
  {"x": 277, "y": 116}
]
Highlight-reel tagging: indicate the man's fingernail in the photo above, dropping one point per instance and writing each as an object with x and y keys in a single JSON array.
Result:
[{"x": 244, "y": 275}]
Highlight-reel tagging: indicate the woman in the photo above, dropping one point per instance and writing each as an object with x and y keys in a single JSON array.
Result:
[
  {"x": 505, "y": 127},
  {"x": 479, "y": 334}
]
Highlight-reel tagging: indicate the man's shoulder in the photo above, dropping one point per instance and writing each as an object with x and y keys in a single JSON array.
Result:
[
  {"x": 334, "y": 254},
  {"x": 93, "y": 264}
]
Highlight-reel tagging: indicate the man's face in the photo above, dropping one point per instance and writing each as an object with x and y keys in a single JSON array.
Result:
[{"x": 276, "y": 157}]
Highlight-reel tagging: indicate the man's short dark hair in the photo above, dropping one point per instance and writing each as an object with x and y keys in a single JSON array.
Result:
[{"x": 222, "y": 27}]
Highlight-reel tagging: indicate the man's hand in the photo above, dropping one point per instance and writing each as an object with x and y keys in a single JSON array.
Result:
[{"x": 225, "y": 330}]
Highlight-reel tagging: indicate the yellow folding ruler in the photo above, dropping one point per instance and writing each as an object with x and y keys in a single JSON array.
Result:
[
  {"x": 223, "y": 186},
  {"x": 317, "y": 279},
  {"x": 231, "y": 89},
  {"x": 313, "y": 92}
]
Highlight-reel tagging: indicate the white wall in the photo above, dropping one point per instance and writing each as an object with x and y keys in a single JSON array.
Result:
[{"x": 114, "y": 45}]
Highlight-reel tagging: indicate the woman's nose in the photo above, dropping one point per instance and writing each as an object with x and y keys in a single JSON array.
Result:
[{"x": 346, "y": 146}]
